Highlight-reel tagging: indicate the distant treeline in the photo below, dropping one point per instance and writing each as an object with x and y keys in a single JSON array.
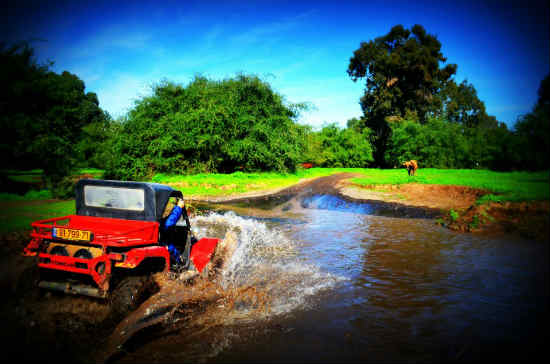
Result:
[{"x": 412, "y": 110}]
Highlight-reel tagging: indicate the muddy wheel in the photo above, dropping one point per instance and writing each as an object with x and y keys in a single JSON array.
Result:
[{"x": 130, "y": 292}]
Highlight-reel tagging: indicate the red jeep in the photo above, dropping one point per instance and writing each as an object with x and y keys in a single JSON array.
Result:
[{"x": 115, "y": 240}]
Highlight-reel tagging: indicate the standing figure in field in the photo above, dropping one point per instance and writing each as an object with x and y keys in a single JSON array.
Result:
[{"x": 411, "y": 166}]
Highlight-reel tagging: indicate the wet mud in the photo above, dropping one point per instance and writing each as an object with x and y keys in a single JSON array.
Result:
[{"x": 292, "y": 199}]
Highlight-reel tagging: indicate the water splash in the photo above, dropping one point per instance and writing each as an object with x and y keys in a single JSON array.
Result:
[
  {"x": 261, "y": 275},
  {"x": 334, "y": 203},
  {"x": 266, "y": 260}
]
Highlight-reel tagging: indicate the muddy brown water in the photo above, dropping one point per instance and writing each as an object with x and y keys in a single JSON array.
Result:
[{"x": 341, "y": 284}]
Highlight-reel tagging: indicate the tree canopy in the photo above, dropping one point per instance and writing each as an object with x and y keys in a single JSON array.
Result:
[
  {"x": 533, "y": 132},
  {"x": 333, "y": 146},
  {"x": 406, "y": 79},
  {"x": 402, "y": 72},
  {"x": 208, "y": 126},
  {"x": 42, "y": 113}
]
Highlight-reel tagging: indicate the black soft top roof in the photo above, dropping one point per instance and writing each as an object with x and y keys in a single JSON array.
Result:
[{"x": 156, "y": 197}]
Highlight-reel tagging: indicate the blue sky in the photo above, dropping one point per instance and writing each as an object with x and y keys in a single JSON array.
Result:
[{"x": 302, "y": 48}]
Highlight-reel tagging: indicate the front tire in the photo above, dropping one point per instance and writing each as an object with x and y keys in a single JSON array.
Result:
[{"x": 129, "y": 294}]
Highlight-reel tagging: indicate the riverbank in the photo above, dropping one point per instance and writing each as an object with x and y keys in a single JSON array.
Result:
[
  {"x": 463, "y": 200},
  {"x": 456, "y": 207},
  {"x": 461, "y": 210}
]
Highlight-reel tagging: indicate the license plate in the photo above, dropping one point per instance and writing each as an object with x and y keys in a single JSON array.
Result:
[{"x": 72, "y": 234}]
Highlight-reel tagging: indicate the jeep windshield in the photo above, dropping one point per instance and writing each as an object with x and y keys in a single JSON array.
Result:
[{"x": 114, "y": 197}]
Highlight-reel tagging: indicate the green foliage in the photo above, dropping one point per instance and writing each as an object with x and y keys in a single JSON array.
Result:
[
  {"x": 94, "y": 145},
  {"x": 20, "y": 215},
  {"x": 402, "y": 72},
  {"x": 405, "y": 84},
  {"x": 29, "y": 196},
  {"x": 436, "y": 144},
  {"x": 475, "y": 222},
  {"x": 443, "y": 144},
  {"x": 64, "y": 188},
  {"x": 460, "y": 104},
  {"x": 489, "y": 198},
  {"x": 41, "y": 114},
  {"x": 453, "y": 214},
  {"x": 403, "y": 78},
  {"x": 207, "y": 126},
  {"x": 532, "y": 132},
  {"x": 336, "y": 147}
]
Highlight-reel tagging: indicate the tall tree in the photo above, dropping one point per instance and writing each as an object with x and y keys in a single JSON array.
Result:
[
  {"x": 403, "y": 77},
  {"x": 533, "y": 131},
  {"x": 460, "y": 104},
  {"x": 42, "y": 113}
]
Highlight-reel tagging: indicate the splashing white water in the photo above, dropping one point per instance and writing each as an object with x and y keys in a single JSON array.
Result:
[{"x": 266, "y": 260}]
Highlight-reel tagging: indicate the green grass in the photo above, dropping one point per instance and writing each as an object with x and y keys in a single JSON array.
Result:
[
  {"x": 29, "y": 196},
  {"x": 34, "y": 178},
  {"x": 216, "y": 184},
  {"x": 98, "y": 173},
  {"x": 16, "y": 216},
  {"x": 504, "y": 186},
  {"x": 18, "y": 212}
]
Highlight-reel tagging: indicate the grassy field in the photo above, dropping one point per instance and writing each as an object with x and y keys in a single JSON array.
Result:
[
  {"x": 30, "y": 180},
  {"x": 510, "y": 186},
  {"x": 17, "y": 212},
  {"x": 18, "y": 215},
  {"x": 228, "y": 184},
  {"x": 504, "y": 186}
]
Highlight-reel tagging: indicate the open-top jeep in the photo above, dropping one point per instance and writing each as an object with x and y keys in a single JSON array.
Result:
[{"x": 115, "y": 240}]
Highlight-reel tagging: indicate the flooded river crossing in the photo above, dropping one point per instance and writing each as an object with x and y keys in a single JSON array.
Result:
[{"x": 325, "y": 280}]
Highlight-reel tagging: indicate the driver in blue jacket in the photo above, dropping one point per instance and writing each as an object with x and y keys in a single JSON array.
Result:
[
  {"x": 170, "y": 221},
  {"x": 175, "y": 214}
]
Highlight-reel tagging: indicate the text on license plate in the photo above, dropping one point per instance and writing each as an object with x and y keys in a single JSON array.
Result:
[{"x": 72, "y": 234}]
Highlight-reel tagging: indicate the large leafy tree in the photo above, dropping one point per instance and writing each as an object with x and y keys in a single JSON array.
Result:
[
  {"x": 460, "y": 104},
  {"x": 208, "y": 126},
  {"x": 402, "y": 78},
  {"x": 344, "y": 147},
  {"x": 532, "y": 131},
  {"x": 42, "y": 114},
  {"x": 442, "y": 144}
]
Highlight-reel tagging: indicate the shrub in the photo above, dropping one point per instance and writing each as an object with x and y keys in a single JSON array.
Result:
[{"x": 207, "y": 126}]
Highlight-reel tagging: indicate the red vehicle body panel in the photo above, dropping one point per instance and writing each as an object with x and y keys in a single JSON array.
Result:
[
  {"x": 106, "y": 231},
  {"x": 140, "y": 236},
  {"x": 202, "y": 251}
]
